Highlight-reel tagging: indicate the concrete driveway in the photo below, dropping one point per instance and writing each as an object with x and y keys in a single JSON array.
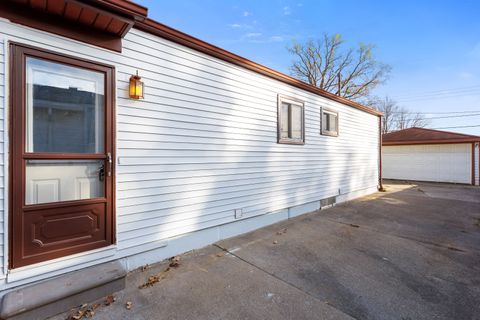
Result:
[{"x": 410, "y": 253}]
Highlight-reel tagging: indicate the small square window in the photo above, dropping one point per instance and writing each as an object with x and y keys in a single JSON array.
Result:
[
  {"x": 291, "y": 117},
  {"x": 329, "y": 122}
]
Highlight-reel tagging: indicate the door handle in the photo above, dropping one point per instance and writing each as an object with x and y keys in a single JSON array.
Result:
[
  {"x": 109, "y": 163},
  {"x": 101, "y": 173}
]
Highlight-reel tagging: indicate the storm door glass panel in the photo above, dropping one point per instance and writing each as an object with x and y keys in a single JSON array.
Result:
[
  {"x": 64, "y": 108},
  {"x": 63, "y": 180}
]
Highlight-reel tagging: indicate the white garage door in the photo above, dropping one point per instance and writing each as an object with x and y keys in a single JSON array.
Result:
[{"x": 436, "y": 162}]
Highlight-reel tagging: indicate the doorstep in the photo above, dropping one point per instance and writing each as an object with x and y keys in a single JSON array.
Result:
[{"x": 50, "y": 297}]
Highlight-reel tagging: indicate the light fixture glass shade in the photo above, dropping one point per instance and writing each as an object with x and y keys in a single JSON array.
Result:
[{"x": 136, "y": 87}]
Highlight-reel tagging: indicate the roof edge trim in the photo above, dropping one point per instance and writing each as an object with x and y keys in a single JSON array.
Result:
[{"x": 125, "y": 7}]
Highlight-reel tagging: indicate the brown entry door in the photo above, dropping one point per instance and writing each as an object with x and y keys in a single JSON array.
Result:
[{"x": 61, "y": 156}]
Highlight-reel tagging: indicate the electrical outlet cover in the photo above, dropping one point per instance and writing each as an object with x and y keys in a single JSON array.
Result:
[{"x": 238, "y": 213}]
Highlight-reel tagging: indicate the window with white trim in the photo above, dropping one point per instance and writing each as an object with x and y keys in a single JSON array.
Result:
[
  {"x": 329, "y": 122},
  {"x": 291, "y": 121}
]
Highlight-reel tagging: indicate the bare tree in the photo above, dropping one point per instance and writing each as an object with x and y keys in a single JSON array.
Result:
[
  {"x": 396, "y": 117},
  {"x": 402, "y": 119},
  {"x": 407, "y": 119},
  {"x": 418, "y": 120},
  {"x": 389, "y": 108},
  {"x": 326, "y": 64}
]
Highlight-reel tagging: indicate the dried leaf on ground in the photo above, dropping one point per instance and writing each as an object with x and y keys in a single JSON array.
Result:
[
  {"x": 78, "y": 313},
  {"x": 174, "y": 262},
  {"x": 128, "y": 305},
  {"x": 90, "y": 312},
  {"x": 275, "y": 242},
  {"x": 152, "y": 280},
  {"x": 109, "y": 299},
  {"x": 83, "y": 311}
]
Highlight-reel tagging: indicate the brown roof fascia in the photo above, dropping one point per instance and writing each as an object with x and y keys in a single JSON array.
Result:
[
  {"x": 20, "y": 14},
  {"x": 161, "y": 30},
  {"x": 126, "y": 7},
  {"x": 443, "y": 141}
]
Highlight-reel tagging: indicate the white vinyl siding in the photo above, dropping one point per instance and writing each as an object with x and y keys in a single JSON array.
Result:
[
  {"x": 436, "y": 162},
  {"x": 2, "y": 155},
  {"x": 203, "y": 142}
]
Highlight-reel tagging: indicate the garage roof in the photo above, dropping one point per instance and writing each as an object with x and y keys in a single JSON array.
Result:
[{"x": 426, "y": 136}]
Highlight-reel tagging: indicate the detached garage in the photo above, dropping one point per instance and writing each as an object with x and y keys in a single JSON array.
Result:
[{"x": 431, "y": 155}]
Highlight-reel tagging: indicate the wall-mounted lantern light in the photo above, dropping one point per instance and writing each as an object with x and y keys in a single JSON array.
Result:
[{"x": 136, "y": 87}]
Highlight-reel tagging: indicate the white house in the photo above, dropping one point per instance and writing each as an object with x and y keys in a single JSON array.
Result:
[
  {"x": 95, "y": 177},
  {"x": 431, "y": 155}
]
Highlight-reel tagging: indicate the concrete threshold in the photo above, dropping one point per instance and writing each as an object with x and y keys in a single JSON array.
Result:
[{"x": 53, "y": 296}]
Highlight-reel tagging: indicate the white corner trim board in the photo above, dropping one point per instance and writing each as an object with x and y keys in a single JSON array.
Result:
[{"x": 4, "y": 101}]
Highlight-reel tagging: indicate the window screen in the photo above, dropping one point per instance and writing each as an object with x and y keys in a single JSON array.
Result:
[
  {"x": 291, "y": 121},
  {"x": 329, "y": 123}
]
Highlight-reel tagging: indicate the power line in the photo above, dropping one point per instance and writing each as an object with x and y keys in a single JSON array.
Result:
[
  {"x": 409, "y": 117},
  {"x": 441, "y": 91},
  {"x": 440, "y": 94},
  {"x": 435, "y": 97},
  {"x": 472, "y": 126},
  {"x": 458, "y": 116},
  {"x": 413, "y": 117},
  {"x": 445, "y": 112}
]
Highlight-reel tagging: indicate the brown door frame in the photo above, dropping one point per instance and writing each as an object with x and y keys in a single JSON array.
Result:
[{"x": 18, "y": 154}]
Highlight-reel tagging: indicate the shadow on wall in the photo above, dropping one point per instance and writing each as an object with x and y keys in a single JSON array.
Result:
[{"x": 203, "y": 143}]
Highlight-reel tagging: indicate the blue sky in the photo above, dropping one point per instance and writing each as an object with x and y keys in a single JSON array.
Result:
[{"x": 432, "y": 46}]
